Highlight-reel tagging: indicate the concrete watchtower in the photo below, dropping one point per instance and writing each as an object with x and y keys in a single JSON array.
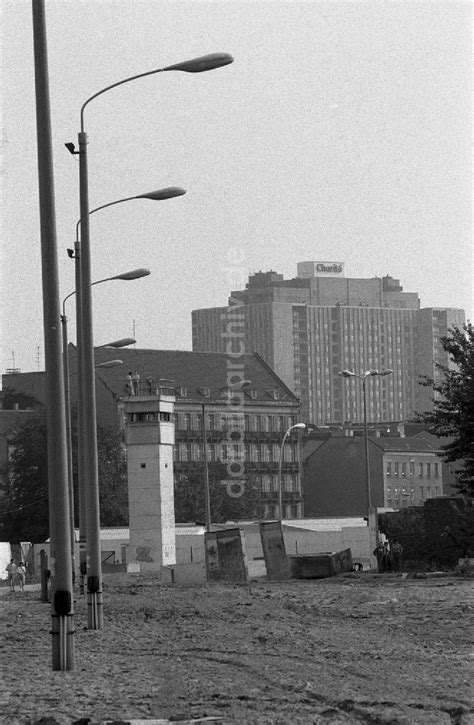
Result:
[{"x": 149, "y": 435}]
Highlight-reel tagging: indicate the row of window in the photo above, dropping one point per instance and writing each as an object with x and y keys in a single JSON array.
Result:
[
  {"x": 252, "y": 452},
  {"x": 290, "y": 511},
  {"x": 268, "y": 482},
  {"x": 245, "y": 421},
  {"x": 220, "y": 421},
  {"x": 395, "y": 494},
  {"x": 394, "y": 468},
  {"x": 149, "y": 417}
]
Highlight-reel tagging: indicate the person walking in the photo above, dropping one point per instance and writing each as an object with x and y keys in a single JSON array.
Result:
[
  {"x": 396, "y": 551},
  {"x": 378, "y": 553},
  {"x": 11, "y": 569},
  {"x": 387, "y": 558},
  {"x": 21, "y": 576}
]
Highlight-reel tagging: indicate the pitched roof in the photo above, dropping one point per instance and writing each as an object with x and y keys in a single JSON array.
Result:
[
  {"x": 415, "y": 444},
  {"x": 193, "y": 371}
]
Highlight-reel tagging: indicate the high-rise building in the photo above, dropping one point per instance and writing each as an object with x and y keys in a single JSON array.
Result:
[
  {"x": 433, "y": 323},
  {"x": 311, "y": 327}
]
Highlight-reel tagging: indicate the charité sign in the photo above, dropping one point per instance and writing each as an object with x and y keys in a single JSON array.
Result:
[
  {"x": 331, "y": 268},
  {"x": 320, "y": 269}
]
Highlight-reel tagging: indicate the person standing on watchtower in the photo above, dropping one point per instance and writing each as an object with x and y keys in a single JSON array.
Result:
[{"x": 136, "y": 382}]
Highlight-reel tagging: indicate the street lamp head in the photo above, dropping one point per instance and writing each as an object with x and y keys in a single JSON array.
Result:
[
  {"x": 168, "y": 193},
  {"x": 203, "y": 63},
  {"x": 133, "y": 274},
  {"x": 120, "y": 343},
  {"x": 109, "y": 364},
  {"x": 299, "y": 425},
  {"x": 347, "y": 374},
  {"x": 386, "y": 372}
]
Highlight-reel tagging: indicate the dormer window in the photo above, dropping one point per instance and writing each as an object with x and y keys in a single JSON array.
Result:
[
  {"x": 205, "y": 392},
  {"x": 253, "y": 394},
  {"x": 274, "y": 394}
]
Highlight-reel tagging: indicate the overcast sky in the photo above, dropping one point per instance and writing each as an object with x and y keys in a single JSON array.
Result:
[{"x": 342, "y": 132}]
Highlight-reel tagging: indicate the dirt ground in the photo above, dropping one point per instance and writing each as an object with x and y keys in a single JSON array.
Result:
[{"x": 357, "y": 648}]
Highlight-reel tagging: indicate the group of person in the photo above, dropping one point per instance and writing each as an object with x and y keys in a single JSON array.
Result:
[
  {"x": 16, "y": 575},
  {"x": 389, "y": 556},
  {"x": 133, "y": 382}
]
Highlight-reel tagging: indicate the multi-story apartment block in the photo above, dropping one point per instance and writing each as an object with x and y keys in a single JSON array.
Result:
[
  {"x": 248, "y": 434},
  {"x": 433, "y": 324},
  {"x": 403, "y": 472},
  {"x": 310, "y": 328}
]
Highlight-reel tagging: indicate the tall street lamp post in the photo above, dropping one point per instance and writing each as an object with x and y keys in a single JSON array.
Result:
[
  {"x": 158, "y": 195},
  {"x": 94, "y": 567},
  {"x": 134, "y": 274},
  {"x": 62, "y": 604},
  {"x": 296, "y": 426},
  {"x": 364, "y": 378},
  {"x": 207, "y": 493}
]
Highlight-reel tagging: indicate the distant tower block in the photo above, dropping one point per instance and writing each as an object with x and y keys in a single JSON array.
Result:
[{"x": 149, "y": 435}]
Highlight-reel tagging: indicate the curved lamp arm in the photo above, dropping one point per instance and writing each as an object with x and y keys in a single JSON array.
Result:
[
  {"x": 196, "y": 65},
  {"x": 168, "y": 193}
]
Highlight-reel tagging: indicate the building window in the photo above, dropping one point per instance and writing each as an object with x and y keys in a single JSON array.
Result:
[
  {"x": 389, "y": 469},
  {"x": 412, "y": 468},
  {"x": 211, "y": 421},
  {"x": 404, "y": 469},
  {"x": 428, "y": 470},
  {"x": 420, "y": 469},
  {"x": 396, "y": 469},
  {"x": 436, "y": 470}
]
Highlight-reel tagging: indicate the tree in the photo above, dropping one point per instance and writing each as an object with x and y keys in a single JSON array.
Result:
[
  {"x": 453, "y": 405},
  {"x": 189, "y": 497},
  {"x": 16, "y": 400},
  {"x": 25, "y": 503},
  {"x": 113, "y": 481},
  {"x": 25, "y": 514}
]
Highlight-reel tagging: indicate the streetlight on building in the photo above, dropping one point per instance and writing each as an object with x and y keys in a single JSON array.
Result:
[
  {"x": 207, "y": 494},
  {"x": 363, "y": 378},
  {"x": 94, "y": 578},
  {"x": 296, "y": 426}
]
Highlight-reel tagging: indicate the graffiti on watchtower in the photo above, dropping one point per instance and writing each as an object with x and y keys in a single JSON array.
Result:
[{"x": 144, "y": 553}]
